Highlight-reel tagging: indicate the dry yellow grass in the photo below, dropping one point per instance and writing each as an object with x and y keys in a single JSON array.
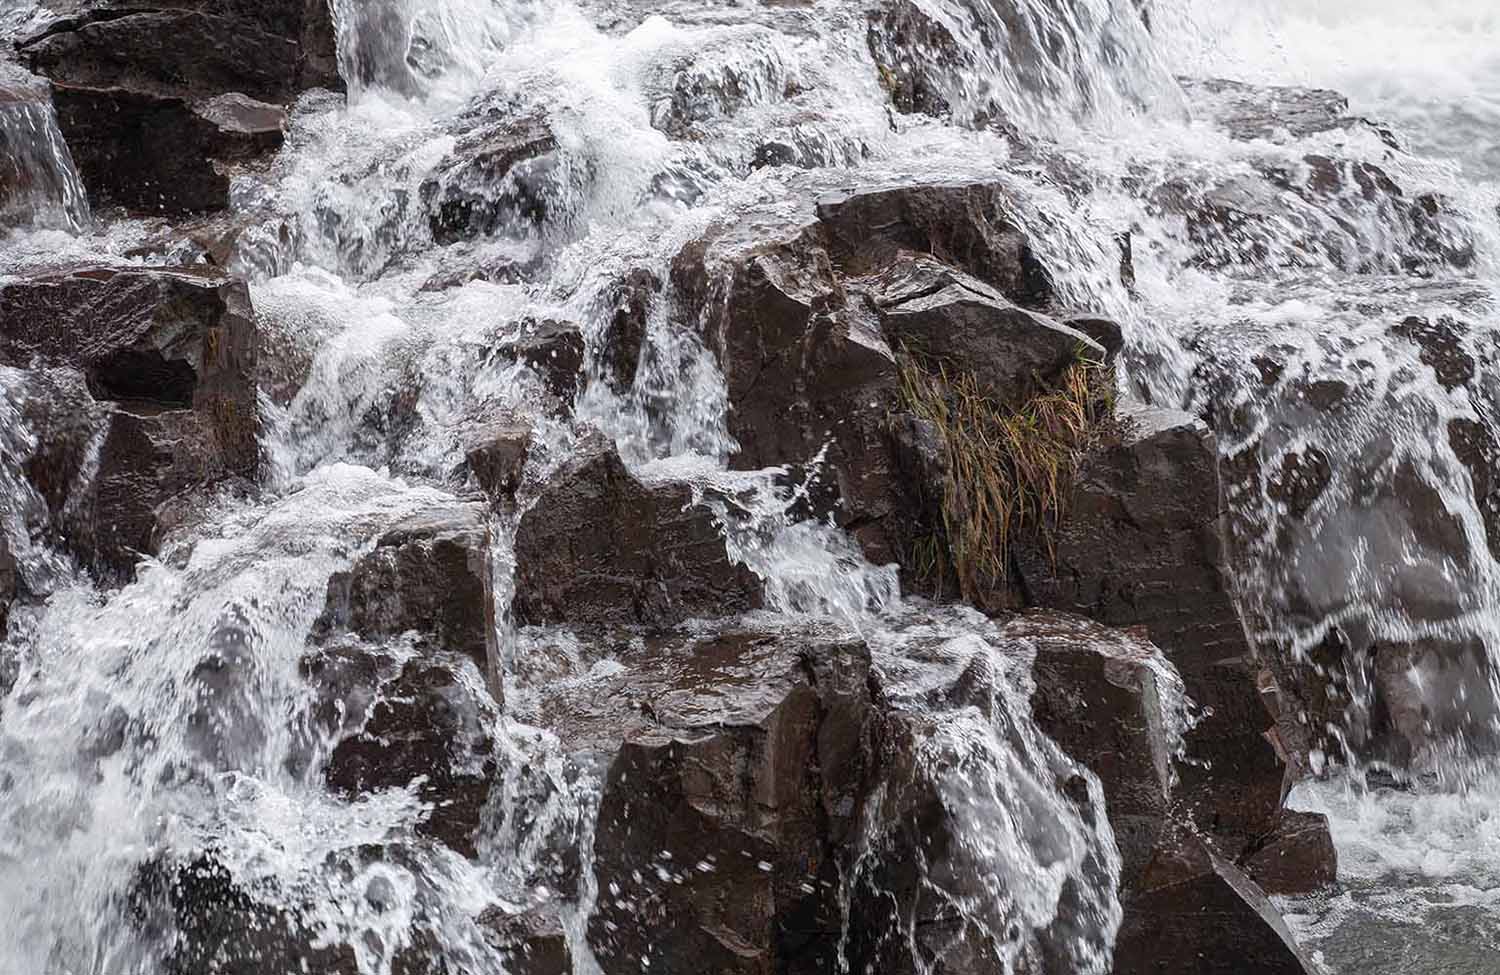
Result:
[{"x": 1010, "y": 470}]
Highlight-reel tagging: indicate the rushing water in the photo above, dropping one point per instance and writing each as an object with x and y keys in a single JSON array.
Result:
[{"x": 661, "y": 113}]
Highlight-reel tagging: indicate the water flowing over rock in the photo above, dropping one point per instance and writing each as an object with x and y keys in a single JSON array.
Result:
[
  {"x": 929, "y": 487},
  {"x": 159, "y": 396}
]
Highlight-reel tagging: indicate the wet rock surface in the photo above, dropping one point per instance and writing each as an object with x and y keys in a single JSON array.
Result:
[
  {"x": 430, "y": 729},
  {"x": 146, "y": 384},
  {"x": 1197, "y": 912},
  {"x": 771, "y": 794},
  {"x": 599, "y": 546},
  {"x": 427, "y": 574}
]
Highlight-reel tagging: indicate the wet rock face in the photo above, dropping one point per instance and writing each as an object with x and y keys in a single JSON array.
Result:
[
  {"x": 162, "y": 154},
  {"x": 163, "y": 398},
  {"x": 601, "y": 547},
  {"x": 500, "y": 177},
  {"x": 156, "y": 101},
  {"x": 530, "y": 943},
  {"x": 717, "y": 836},
  {"x": 1297, "y": 857},
  {"x": 775, "y": 799},
  {"x": 265, "y": 50},
  {"x": 211, "y": 924},
  {"x": 1143, "y": 544},
  {"x": 428, "y": 573},
  {"x": 1107, "y": 698},
  {"x": 1316, "y": 459},
  {"x": 1199, "y": 914},
  {"x": 807, "y": 320},
  {"x": 429, "y": 727}
]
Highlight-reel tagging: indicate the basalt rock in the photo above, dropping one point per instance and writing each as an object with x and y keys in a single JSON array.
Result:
[
  {"x": 601, "y": 547},
  {"x": 1297, "y": 857},
  {"x": 718, "y": 828},
  {"x": 496, "y": 454},
  {"x": 427, "y": 574},
  {"x": 530, "y": 943},
  {"x": 429, "y": 728},
  {"x": 1197, "y": 914},
  {"x": 1142, "y": 544},
  {"x": 1112, "y": 701},
  {"x": 167, "y": 360},
  {"x": 807, "y": 321},
  {"x": 209, "y": 922},
  {"x": 944, "y": 316},
  {"x": 190, "y": 47},
  {"x": 620, "y": 353},
  {"x": 753, "y": 777},
  {"x": 1316, "y": 459},
  {"x": 162, "y": 154},
  {"x": 554, "y": 350},
  {"x": 501, "y": 177}
]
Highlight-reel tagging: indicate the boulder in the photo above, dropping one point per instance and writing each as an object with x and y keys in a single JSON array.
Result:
[
  {"x": 428, "y": 574},
  {"x": 965, "y": 225},
  {"x": 1267, "y": 112},
  {"x": 1315, "y": 459},
  {"x": 430, "y": 729},
  {"x": 209, "y": 921},
  {"x": 941, "y": 315},
  {"x": 162, "y": 154},
  {"x": 811, "y": 316},
  {"x": 157, "y": 100},
  {"x": 498, "y": 179},
  {"x": 8, "y": 582},
  {"x": 38, "y": 182},
  {"x": 776, "y": 800},
  {"x": 619, "y": 356},
  {"x": 1197, "y": 913},
  {"x": 1112, "y": 702},
  {"x": 601, "y": 547},
  {"x": 194, "y": 48},
  {"x": 1142, "y": 544},
  {"x": 1297, "y": 857},
  {"x": 496, "y": 453},
  {"x": 554, "y": 350},
  {"x": 155, "y": 367},
  {"x": 530, "y": 943}
]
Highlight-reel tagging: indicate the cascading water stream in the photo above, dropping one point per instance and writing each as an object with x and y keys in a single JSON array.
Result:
[{"x": 170, "y": 719}]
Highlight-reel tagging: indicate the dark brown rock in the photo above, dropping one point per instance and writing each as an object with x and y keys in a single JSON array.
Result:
[
  {"x": 1142, "y": 545},
  {"x": 190, "y": 47},
  {"x": 721, "y": 814},
  {"x": 1298, "y": 857},
  {"x": 620, "y": 353},
  {"x": 430, "y": 723},
  {"x": 555, "y": 351},
  {"x": 600, "y": 547},
  {"x": 943, "y": 316},
  {"x": 497, "y": 452},
  {"x": 168, "y": 360},
  {"x": 161, "y": 154},
  {"x": 1198, "y": 913},
  {"x": 497, "y": 179},
  {"x": 1108, "y": 698},
  {"x": 773, "y": 799},
  {"x": 180, "y": 52},
  {"x": 806, "y": 314},
  {"x": 211, "y": 921},
  {"x": 965, "y": 225},
  {"x": 530, "y": 943},
  {"x": 428, "y": 573}
]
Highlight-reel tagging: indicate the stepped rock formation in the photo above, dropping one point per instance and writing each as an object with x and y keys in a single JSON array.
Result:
[{"x": 650, "y": 524}]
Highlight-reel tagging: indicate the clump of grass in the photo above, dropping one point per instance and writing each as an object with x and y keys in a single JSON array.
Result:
[{"x": 1009, "y": 469}]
